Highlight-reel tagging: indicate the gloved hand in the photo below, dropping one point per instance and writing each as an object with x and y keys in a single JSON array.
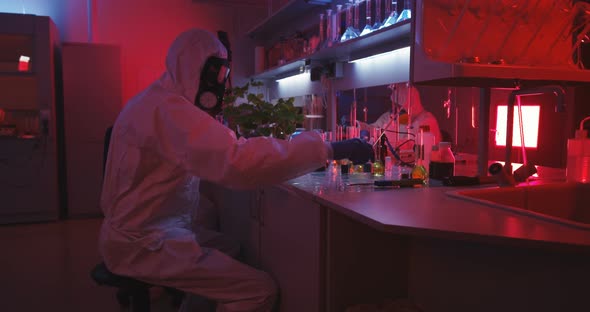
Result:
[{"x": 356, "y": 150}]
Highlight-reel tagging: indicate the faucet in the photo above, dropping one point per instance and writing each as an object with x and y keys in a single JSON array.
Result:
[{"x": 522, "y": 173}]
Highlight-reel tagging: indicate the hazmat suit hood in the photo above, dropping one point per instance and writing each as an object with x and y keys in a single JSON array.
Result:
[{"x": 185, "y": 60}]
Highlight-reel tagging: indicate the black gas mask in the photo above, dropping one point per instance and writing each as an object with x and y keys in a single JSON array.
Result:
[
  {"x": 213, "y": 80},
  {"x": 212, "y": 85}
]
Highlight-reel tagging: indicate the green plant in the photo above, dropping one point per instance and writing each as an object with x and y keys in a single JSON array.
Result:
[{"x": 257, "y": 117}]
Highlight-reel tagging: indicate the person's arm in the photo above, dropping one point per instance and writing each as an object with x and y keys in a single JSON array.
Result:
[{"x": 192, "y": 139}]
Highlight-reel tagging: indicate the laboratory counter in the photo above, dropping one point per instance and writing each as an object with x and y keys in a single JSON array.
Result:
[
  {"x": 336, "y": 243},
  {"x": 431, "y": 212}
]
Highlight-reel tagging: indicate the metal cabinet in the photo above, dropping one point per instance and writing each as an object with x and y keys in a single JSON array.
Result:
[
  {"x": 31, "y": 156},
  {"x": 92, "y": 99}
]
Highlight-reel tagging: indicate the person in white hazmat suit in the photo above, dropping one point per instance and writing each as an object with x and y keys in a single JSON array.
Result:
[{"x": 163, "y": 142}]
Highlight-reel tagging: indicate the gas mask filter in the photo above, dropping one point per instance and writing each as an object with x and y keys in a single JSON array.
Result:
[{"x": 212, "y": 85}]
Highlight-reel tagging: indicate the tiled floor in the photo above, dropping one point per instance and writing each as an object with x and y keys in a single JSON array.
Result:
[{"x": 46, "y": 266}]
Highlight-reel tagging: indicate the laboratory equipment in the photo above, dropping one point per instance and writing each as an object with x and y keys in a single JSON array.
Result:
[
  {"x": 391, "y": 13},
  {"x": 406, "y": 12},
  {"x": 578, "y": 156},
  {"x": 377, "y": 18},
  {"x": 444, "y": 166},
  {"x": 350, "y": 32},
  {"x": 368, "y": 24},
  {"x": 337, "y": 27}
]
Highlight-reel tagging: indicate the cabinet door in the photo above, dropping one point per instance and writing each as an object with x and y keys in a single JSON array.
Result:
[
  {"x": 92, "y": 100},
  {"x": 238, "y": 217},
  {"x": 291, "y": 248}
]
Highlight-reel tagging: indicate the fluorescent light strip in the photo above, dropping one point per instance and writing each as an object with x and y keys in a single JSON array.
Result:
[
  {"x": 379, "y": 56},
  {"x": 302, "y": 77}
]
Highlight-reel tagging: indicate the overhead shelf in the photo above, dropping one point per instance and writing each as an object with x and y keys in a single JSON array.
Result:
[
  {"x": 293, "y": 10},
  {"x": 379, "y": 41},
  {"x": 485, "y": 75}
]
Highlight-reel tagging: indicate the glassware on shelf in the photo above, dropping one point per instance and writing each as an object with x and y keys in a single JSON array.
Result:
[
  {"x": 406, "y": 12},
  {"x": 368, "y": 24},
  {"x": 337, "y": 29},
  {"x": 322, "y": 32},
  {"x": 350, "y": 32},
  {"x": 391, "y": 12},
  {"x": 377, "y": 18},
  {"x": 329, "y": 35},
  {"x": 368, "y": 28},
  {"x": 357, "y": 15}
]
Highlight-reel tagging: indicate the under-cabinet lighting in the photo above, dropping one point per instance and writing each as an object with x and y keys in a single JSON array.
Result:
[
  {"x": 380, "y": 56},
  {"x": 301, "y": 77}
]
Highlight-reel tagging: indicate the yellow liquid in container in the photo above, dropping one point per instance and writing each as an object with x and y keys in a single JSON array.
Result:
[{"x": 378, "y": 169}]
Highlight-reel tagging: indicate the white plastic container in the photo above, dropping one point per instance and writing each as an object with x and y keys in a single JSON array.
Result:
[{"x": 578, "y": 158}]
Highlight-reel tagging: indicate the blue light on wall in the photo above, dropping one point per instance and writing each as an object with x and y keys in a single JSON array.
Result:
[{"x": 36, "y": 7}]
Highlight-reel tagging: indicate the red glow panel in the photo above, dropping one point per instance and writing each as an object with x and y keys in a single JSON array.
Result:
[{"x": 530, "y": 120}]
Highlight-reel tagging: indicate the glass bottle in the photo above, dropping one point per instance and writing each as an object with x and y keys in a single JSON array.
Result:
[
  {"x": 356, "y": 17},
  {"x": 350, "y": 32},
  {"x": 406, "y": 13},
  {"x": 368, "y": 28},
  {"x": 392, "y": 14},
  {"x": 378, "y": 169},
  {"x": 338, "y": 23},
  {"x": 322, "y": 32},
  {"x": 368, "y": 24},
  {"x": 328, "y": 39},
  {"x": 377, "y": 18}
]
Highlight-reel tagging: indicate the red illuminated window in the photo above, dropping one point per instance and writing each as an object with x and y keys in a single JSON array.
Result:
[{"x": 530, "y": 121}]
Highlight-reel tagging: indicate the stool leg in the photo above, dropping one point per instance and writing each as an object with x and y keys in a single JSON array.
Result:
[{"x": 140, "y": 300}]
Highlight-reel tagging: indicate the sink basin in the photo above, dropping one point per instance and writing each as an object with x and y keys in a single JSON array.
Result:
[{"x": 564, "y": 202}]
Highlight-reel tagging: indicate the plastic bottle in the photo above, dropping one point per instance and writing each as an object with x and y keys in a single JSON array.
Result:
[
  {"x": 578, "y": 156},
  {"x": 445, "y": 166}
]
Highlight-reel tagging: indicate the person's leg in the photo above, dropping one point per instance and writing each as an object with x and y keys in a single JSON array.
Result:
[
  {"x": 233, "y": 285},
  {"x": 211, "y": 239}
]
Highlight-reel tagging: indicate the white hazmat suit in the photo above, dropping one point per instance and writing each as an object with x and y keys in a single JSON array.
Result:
[{"x": 161, "y": 146}]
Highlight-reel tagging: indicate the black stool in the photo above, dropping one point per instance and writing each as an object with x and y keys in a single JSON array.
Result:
[{"x": 131, "y": 292}]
